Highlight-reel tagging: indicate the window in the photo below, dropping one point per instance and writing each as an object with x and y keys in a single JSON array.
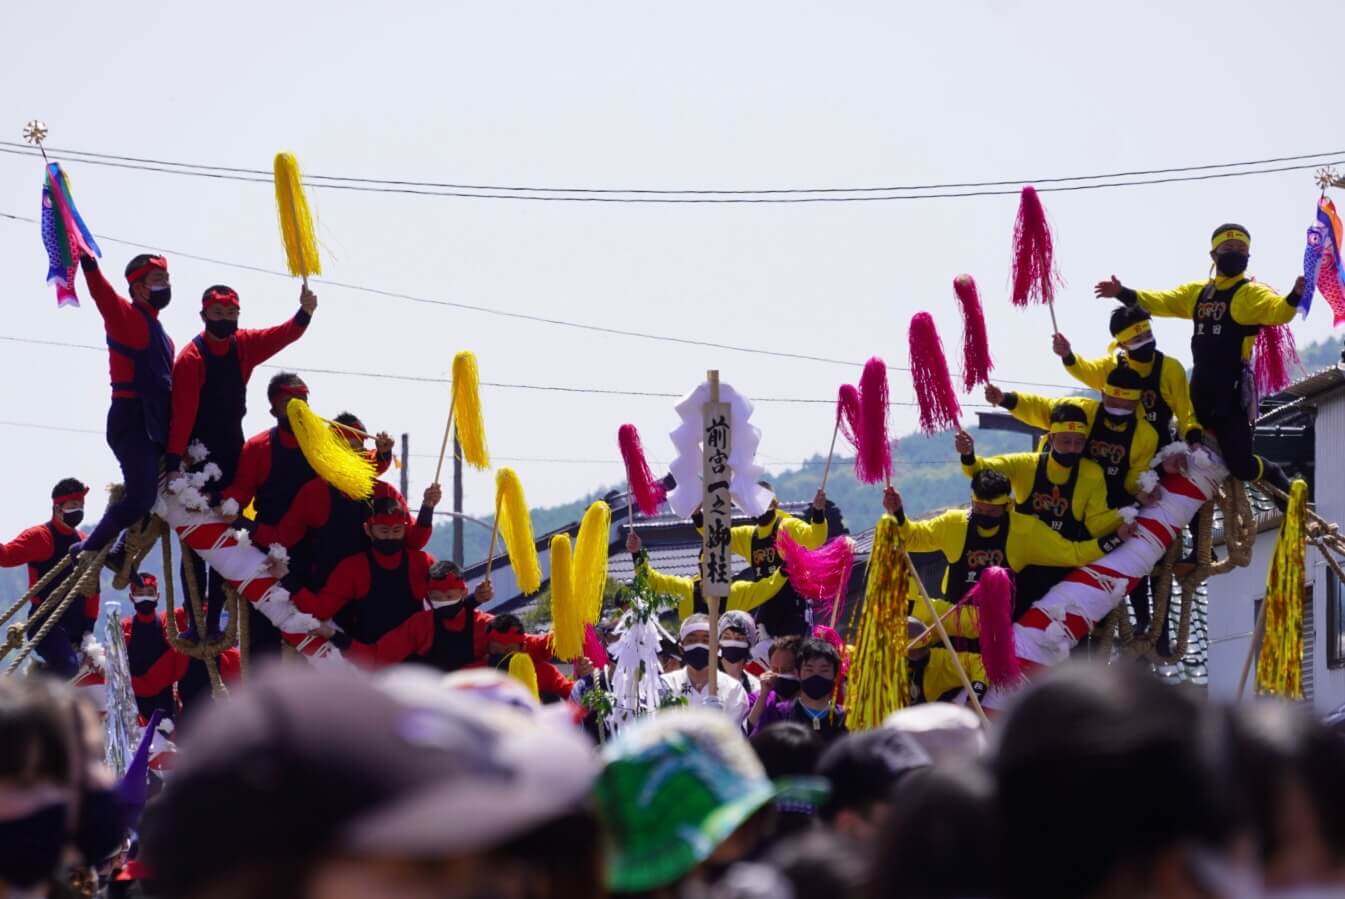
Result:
[{"x": 1335, "y": 620}]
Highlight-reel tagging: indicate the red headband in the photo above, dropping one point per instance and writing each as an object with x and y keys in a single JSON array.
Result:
[
  {"x": 298, "y": 391},
  {"x": 448, "y": 582},
  {"x": 389, "y": 519},
  {"x": 67, "y": 497},
  {"x": 152, "y": 263},
  {"x": 507, "y": 638},
  {"x": 224, "y": 297}
]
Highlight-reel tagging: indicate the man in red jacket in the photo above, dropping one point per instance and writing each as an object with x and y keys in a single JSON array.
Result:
[
  {"x": 40, "y": 547},
  {"x": 210, "y": 379},
  {"x": 370, "y": 593},
  {"x": 352, "y": 429},
  {"x": 505, "y": 636},
  {"x": 141, "y": 364},
  {"x": 155, "y": 665}
]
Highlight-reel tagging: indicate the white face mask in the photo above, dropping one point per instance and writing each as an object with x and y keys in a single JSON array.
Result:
[
  {"x": 1119, "y": 413},
  {"x": 447, "y": 604}
]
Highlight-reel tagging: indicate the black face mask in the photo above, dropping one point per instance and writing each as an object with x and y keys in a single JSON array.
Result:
[
  {"x": 102, "y": 825},
  {"x": 1231, "y": 264},
  {"x": 159, "y": 297},
  {"x": 147, "y": 607},
  {"x": 816, "y": 686},
  {"x": 1066, "y": 460},
  {"x": 388, "y": 547},
  {"x": 786, "y": 687},
  {"x": 1143, "y": 354},
  {"x": 696, "y": 657},
  {"x": 222, "y": 328},
  {"x": 72, "y": 519},
  {"x": 734, "y": 654},
  {"x": 31, "y": 846},
  {"x": 986, "y": 521}
]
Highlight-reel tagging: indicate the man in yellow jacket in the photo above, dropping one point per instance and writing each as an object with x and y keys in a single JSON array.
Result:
[
  {"x": 1119, "y": 440},
  {"x": 1227, "y": 312},
  {"x": 744, "y": 595},
  {"x": 1059, "y": 487},
  {"x": 1165, "y": 394}
]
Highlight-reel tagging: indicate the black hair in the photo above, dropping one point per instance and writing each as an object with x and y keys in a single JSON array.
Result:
[
  {"x": 283, "y": 379},
  {"x": 864, "y": 767},
  {"x": 787, "y": 749},
  {"x": 386, "y": 505},
  {"x": 941, "y": 817},
  {"x": 819, "y": 862},
  {"x": 1123, "y": 317},
  {"x": 1088, "y": 724},
  {"x": 504, "y": 623},
  {"x": 35, "y": 735},
  {"x": 443, "y": 568},
  {"x": 216, "y": 288},
  {"x": 1125, "y": 377},
  {"x": 767, "y": 485},
  {"x": 349, "y": 419},
  {"x": 788, "y": 643},
  {"x": 67, "y": 485},
  {"x": 1068, "y": 412},
  {"x": 815, "y": 648},
  {"x": 988, "y": 484},
  {"x": 1228, "y": 226},
  {"x": 135, "y": 263}
]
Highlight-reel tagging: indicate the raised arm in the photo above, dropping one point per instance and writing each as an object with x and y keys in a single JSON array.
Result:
[{"x": 33, "y": 545}]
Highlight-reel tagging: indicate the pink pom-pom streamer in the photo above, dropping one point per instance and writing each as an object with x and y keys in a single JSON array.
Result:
[
  {"x": 993, "y": 598},
  {"x": 1275, "y": 353},
  {"x": 649, "y": 493},
  {"x": 820, "y": 575},
  {"x": 976, "y": 361},
  {"x": 939, "y": 409},
  {"x": 594, "y": 650},
  {"x": 1034, "y": 274},
  {"x": 873, "y": 452},
  {"x": 849, "y": 416}
]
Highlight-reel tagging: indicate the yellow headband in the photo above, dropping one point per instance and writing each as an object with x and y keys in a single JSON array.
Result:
[
  {"x": 1129, "y": 334},
  {"x": 1069, "y": 427},
  {"x": 997, "y": 501},
  {"x": 1120, "y": 393},
  {"x": 1231, "y": 234}
]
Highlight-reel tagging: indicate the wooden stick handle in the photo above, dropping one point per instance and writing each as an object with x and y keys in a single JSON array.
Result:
[
  {"x": 826, "y": 472},
  {"x": 1258, "y": 634},
  {"x": 494, "y": 531},
  {"x": 1055, "y": 329},
  {"x": 944, "y": 617},
  {"x": 947, "y": 642},
  {"x": 712, "y": 603},
  {"x": 443, "y": 447}
]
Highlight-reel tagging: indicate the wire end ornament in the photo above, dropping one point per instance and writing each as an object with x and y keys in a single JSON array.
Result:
[
  {"x": 1327, "y": 177},
  {"x": 35, "y": 132}
]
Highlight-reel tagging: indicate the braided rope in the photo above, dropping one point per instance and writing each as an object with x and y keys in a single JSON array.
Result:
[
  {"x": 203, "y": 651},
  {"x": 137, "y": 543},
  {"x": 84, "y": 581},
  {"x": 242, "y": 610},
  {"x": 38, "y": 587}
]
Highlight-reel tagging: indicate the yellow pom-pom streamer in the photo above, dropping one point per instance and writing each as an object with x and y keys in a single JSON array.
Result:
[
  {"x": 467, "y": 410},
  {"x": 590, "y": 561},
  {"x": 521, "y": 667},
  {"x": 1279, "y": 670},
  {"x": 515, "y": 525},
  {"x": 567, "y": 615},
  {"x": 879, "y": 678},
  {"x": 330, "y": 457},
  {"x": 296, "y": 223}
]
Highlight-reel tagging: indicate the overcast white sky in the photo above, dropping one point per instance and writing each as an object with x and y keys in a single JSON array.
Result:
[{"x": 616, "y": 94}]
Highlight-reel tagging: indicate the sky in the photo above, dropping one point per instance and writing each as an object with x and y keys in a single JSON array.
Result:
[{"x": 614, "y": 94}]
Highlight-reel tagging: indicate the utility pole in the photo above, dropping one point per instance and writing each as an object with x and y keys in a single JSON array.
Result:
[
  {"x": 457, "y": 499},
  {"x": 406, "y": 464}
]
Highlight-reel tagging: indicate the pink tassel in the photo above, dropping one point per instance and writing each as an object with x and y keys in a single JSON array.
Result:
[
  {"x": 873, "y": 457},
  {"x": 649, "y": 493},
  {"x": 939, "y": 409},
  {"x": 993, "y": 598},
  {"x": 593, "y": 647},
  {"x": 1274, "y": 354},
  {"x": 976, "y": 361},
  {"x": 1034, "y": 274},
  {"x": 820, "y": 575},
  {"x": 849, "y": 417}
]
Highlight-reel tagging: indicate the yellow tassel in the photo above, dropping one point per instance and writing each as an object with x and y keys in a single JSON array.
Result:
[
  {"x": 467, "y": 411},
  {"x": 296, "y": 224},
  {"x": 250, "y": 513},
  {"x": 567, "y": 616},
  {"x": 330, "y": 457},
  {"x": 1279, "y": 669},
  {"x": 516, "y": 529},
  {"x": 590, "y": 561},
  {"x": 521, "y": 667},
  {"x": 879, "y": 678}
]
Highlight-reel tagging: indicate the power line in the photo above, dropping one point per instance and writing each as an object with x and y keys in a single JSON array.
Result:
[
  {"x": 315, "y": 180},
  {"x": 520, "y": 316},
  {"x": 645, "y": 196}
]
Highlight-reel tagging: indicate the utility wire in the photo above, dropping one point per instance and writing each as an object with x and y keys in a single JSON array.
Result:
[{"x": 520, "y": 316}]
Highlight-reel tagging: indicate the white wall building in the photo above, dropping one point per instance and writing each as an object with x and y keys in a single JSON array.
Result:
[{"x": 1234, "y": 597}]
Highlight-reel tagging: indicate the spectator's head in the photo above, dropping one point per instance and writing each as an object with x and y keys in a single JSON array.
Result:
[
  {"x": 386, "y": 526},
  {"x": 1084, "y": 725},
  {"x": 1293, "y": 769},
  {"x": 1230, "y": 248},
  {"x": 504, "y": 637},
  {"x": 339, "y": 788},
  {"x": 1069, "y": 433},
  {"x": 147, "y": 278},
  {"x": 863, "y": 768},
  {"x": 282, "y": 388},
  {"x": 144, "y": 595},
  {"x": 694, "y": 637},
  {"x": 219, "y": 311},
  {"x": 942, "y": 818},
  {"x": 737, "y": 636},
  {"x": 351, "y": 429},
  {"x": 669, "y": 655},
  {"x": 1132, "y": 331},
  {"x": 990, "y": 497},
  {"x": 681, "y": 795},
  {"x": 447, "y": 589},
  {"x": 818, "y": 666},
  {"x": 788, "y": 750},
  {"x": 819, "y": 864},
  {"x": 67, "y": 502},
  {"x": 1122, "y": 392},
  {"x": 783, "y": 660},
  {"x": 946, "y": 732}
]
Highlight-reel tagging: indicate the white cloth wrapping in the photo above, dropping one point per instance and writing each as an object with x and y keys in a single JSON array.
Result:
[{"x": 635, "y": 677}]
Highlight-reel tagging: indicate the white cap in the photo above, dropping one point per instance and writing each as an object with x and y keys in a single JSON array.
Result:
[{"x": 942, "y": 729}]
